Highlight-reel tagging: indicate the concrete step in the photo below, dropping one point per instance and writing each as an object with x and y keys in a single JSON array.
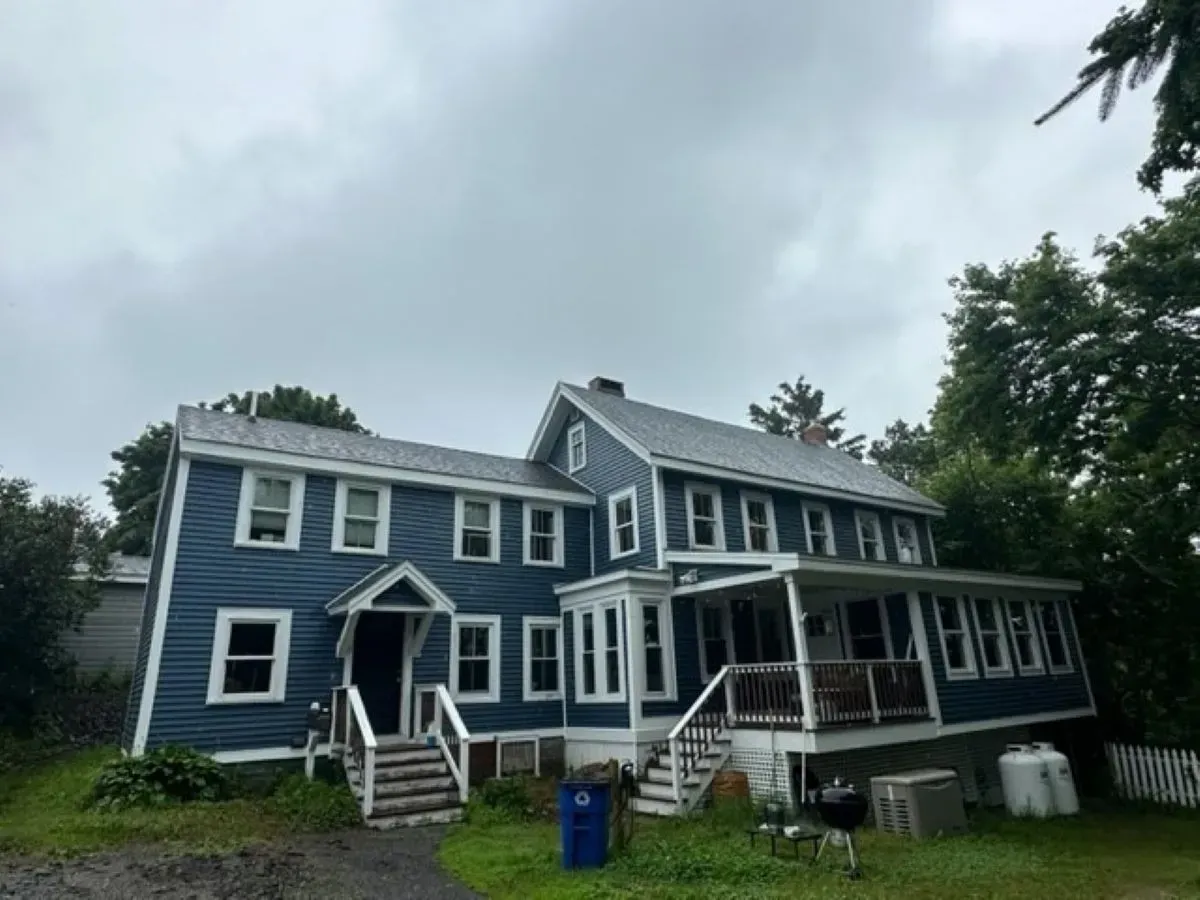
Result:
[
  {"x": 412, "y": 786},
  {"x": 414, "y": 803},
  {"x": 650, "y": 807},
  {"x": 416, "y": 819}
]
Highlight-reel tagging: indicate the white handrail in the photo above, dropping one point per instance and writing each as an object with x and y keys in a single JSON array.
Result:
[
  {"x": 356, "y": 709},
  {"x": 460, "y": 768},
  {"x": 700, "y": 701}
]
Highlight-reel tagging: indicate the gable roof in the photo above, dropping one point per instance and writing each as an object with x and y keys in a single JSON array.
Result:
[
  {"x": 667, "y": 435},
  {"x": 314, "y": 442}
]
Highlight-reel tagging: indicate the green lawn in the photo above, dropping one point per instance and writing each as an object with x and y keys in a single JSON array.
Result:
[
  {"x": 41, "y": 811},
  {"x": 1100, "y": 854}
]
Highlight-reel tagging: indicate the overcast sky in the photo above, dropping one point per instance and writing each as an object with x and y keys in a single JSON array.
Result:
[{"x": 437, "y": 210}]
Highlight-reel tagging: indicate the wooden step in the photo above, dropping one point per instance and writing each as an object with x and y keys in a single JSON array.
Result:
[
  {"x": 389, "y": 806},
  {"x": 405, "y": 771},
  {"x": 400, "y": 756},
  {"x": 416, "y": 819},
  {"x": 651, "y": 807},
  {"x": 409, "y": 786},
  {"x": 651, "y": 790}
]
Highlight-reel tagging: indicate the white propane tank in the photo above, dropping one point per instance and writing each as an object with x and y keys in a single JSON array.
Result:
[
  {"x": 1062, "y": 784},
  {"x": 1026, "y": 782}
]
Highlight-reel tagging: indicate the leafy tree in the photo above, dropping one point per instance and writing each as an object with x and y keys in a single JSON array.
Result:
[
  {"x": 906, "y": 452},
  {"x": 41, "y": 544},
  {"x": 134, "y": 487},
  {"x": 795, "y": 407},
  {"x": 1130, "y": 50}
]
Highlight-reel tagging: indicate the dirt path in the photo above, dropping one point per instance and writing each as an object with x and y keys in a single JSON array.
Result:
[{"x": 345, "y": 866}]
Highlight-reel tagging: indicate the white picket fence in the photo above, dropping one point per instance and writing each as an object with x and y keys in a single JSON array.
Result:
[{"x": 1156, "y": 774}]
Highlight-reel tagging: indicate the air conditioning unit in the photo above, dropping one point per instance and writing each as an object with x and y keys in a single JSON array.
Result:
[{"x": 924, "y": 803}]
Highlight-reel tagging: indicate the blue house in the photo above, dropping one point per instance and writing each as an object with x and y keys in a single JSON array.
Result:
[{"x": 645, "y": 585}]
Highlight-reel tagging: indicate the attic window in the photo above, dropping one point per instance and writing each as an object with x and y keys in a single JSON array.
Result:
[{"x": 576, "y": 448}]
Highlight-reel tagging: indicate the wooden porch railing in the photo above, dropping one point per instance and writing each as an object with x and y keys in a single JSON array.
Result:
[
  {"x": 453, "y": 739},
  {"x": 352, "y": 730},
  {"x": 696, "y": 731},
  {"x": 843, "y": 693}
]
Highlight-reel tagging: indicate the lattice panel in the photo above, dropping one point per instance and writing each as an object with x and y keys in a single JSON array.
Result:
[{"x": 766, "y": 783}]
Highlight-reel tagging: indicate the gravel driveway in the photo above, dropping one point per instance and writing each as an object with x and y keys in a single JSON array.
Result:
[{"x": 345, "y": 866}]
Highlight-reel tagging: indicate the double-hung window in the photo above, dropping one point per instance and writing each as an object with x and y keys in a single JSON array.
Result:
[
  {"x": 1024, "y": 634},
  {"x": 361, "y": 513},
  {"x": 706, "y": 527},
  {"x": 587, "y": 645},
  {"x": 250, "y": 656},
  {"x": 623, "y": 523},
  {"x": 714, "y": 639},
  {"x": 576, "y": 448},
  {"x": 870, "y": 535},
  {"x": 658, "y": 664},
  {"x": 758, "y": 523},
  {"x": 989, "y": 622},
  {"x": 1054, "y": 632},
  {"x": 475, "y": 659},
  {"x": 270, "y": 509},
  {"x": 958, "y": 654},
  {"x": 599, "y": 654},
  {"x": 818, "y": 529},
  {"x": 542, "y": 659},
  {"x": 908, "y": 547},
  {"x": 477, "y": 529},
  {"x": 543, "y": 535}
]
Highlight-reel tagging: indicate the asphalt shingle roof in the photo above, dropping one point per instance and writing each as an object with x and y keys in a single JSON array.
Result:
[
  {"x": 688, "y": 438},
  {"x": 334, "y": 444}
]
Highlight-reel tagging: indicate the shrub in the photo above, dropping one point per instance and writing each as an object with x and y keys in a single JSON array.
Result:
[
  {"x": 500, "y": 799},
  {"x": 313, "y": 805},
  {"x": 166, "y": 775}
]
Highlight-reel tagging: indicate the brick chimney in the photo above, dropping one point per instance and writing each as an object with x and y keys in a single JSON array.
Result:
[
  {"x": 815, "y": 434},
  {"x": 607, "y": 386}
]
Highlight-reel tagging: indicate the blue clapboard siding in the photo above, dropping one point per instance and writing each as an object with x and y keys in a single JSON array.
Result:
[
  {"x": 612, "y": 467},
  {"x": 150, "y": 602},
  {"x": 590, "y": 715},
  {"x": 210, "y": 573},
  {"x": 687, "y": 662},
  {"x": 789, "y": 519},
  {"x": 978, "y": 699}
]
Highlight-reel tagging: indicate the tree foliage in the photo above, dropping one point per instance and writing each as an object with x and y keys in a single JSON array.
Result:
[
  {"x": 41, "y": 544},
  {"x": 906, "y": 452},
  {"x": 134, "y": 487},
  {"x": 1129, "y": 51},
  {"x": 796, "y": 406}
]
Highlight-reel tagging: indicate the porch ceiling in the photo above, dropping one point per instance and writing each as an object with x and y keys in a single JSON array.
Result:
[{"x": 832, "y": 572}]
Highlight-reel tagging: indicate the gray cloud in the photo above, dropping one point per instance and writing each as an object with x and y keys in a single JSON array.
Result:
[{"x": 439, "y": 216}]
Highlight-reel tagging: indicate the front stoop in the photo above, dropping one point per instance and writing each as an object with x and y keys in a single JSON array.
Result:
[
  {"x": 413, "y": 786},
  {"x": 655, "y": 794}
]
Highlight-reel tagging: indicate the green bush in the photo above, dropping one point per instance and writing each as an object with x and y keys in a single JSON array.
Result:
[
  {"x": 314, "y": 805},
  {"x": 500, "y": 800},
  {"x": 166, "y": 775}
]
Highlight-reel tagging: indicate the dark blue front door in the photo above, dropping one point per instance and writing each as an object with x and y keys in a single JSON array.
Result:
[{"x": 378, "y": 656}]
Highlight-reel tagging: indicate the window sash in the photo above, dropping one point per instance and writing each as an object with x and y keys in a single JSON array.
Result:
[
  {"x": 624, "y": 525},
  {"x": 612, "y": 652},
  {"x": 249, "y": 667},
  {"x": 1056, "y": 638},
  {"x": 588, "y": 644},
  {"x": 477, "y": 538},
  {"x": 993, "y": 646},
  {"x": 543, "y": 525},
  {"x": 870, "y": 536},
  {"x": 474, "y": 658},
  {"x": 545, "y": 648},
  {"x": 818, "y": 529},
  {"x": 654, "y": 675},
  {"x": 908, "y": 544},
  {"x": 956, "y": 646},
  {"x": 1023, "y": 627},
  {"x": 576, "y": 448},
  {"x": 704, "y": 517}
]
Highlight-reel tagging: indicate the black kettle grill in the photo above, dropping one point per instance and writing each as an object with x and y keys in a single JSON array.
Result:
[{"x": 842, "y": 809}]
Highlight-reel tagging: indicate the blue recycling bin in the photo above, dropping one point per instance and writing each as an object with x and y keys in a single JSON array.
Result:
[{"x": 583, "y": 819}]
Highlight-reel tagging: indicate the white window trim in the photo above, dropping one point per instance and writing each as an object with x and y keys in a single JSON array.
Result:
[
  {"x": 614, "y": 551},
  {"x": 460, "y": 501},
  {"x": 576, "y": 429},
  {"x": 862, "y": 516},
  {"x": 600, "y": 657},
  {"x": 291, "y": 539},
  {"x": 528, "y": 623},
  {"x": 382, "y": 528},
  {"x": 527, "y": 532},
  {"x": 768, "y": 502},
  {"x": 226, "y": 617},
  {"x": 493, "y": 692},
  {"x": 1062, "y": 630},
  {"x": 971, "y": 671},
  {"x": 896, "y": 522},
  {"x": 690, "y": 490},
  {"x": 1035, "y": 632},
  {"x": 1005, "y": 669},
  {"x": 726, "y": 627},
  {"x": 805, "y": 509},
  {"x": 666, "y": 640}
]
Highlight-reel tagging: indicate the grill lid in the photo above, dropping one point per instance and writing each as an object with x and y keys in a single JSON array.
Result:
[{"x": 840, "y": 806}]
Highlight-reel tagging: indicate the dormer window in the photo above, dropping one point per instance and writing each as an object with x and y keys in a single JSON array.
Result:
[
  {"x": 576, "y": 448},
  {"x": 908, "y": 548},
  {"x": 476, "y": 529},
  {"x": 706, "y": 526},
  {"x": 269, "y": 510},
  {"x": 818, "y": 530}
]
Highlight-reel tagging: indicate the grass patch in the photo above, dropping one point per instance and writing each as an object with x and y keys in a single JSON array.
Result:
[
  {"x": 1107, "y": 853},
  {"x": 44, "y": 809}
]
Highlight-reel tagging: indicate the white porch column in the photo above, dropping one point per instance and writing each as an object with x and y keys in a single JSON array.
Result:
[
  {"x": 916, "y": 621},
  {"x": 406, "y": 675},
  {"x": 796, "y": 617}
]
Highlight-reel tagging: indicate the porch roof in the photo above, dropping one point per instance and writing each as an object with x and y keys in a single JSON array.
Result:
[
  {"x": 364, "y": 594},
  {"x": 881, "y": 575}
]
